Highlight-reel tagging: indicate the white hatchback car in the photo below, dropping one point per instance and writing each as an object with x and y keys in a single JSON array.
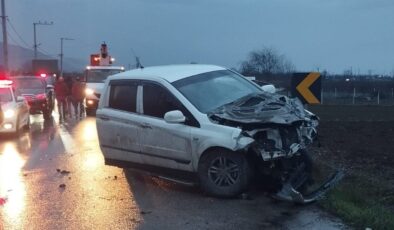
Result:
[{"x": 205, "y": 124}]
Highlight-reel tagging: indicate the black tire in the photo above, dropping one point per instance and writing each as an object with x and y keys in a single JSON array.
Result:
[
  {"x": 17, "y": 130},
  {"x": 47, "y": 114},
  {"x": 224, "y": 173},
  {"x": 27, "y": 126},
  {"x": 90, "y": 112}
]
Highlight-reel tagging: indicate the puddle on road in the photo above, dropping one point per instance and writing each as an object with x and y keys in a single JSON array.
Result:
[{"x": 12, "y": 185}]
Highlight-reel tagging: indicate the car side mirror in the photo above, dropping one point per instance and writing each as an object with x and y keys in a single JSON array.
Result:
[
  {"x": 174, "y": 117},
  {"x": 20, "y": 98},
  {"x": 269, "y": 88}
]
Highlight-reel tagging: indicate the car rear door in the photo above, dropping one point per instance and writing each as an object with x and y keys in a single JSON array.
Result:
[{"x": 117, "y": 123}]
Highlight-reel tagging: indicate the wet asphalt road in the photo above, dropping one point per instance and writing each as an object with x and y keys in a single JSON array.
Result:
[{"x": 35, "y": 166}]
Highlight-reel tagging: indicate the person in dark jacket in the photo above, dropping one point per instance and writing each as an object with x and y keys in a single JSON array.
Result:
[
  {"x": 1, "y": 115},
  {"x": 69, "y": 82},
  {"x": 78, "y": 96},
  {"x": 61, "y": 91}
]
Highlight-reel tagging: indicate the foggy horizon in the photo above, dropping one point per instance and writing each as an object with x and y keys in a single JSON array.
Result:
[{"x": 314, "y": 35}]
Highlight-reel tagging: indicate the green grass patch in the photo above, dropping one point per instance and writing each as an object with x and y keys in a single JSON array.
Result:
[{"x": 362, "y": 203}]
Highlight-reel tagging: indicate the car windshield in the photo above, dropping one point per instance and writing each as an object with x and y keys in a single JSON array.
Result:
[
  {"x": 211, "y": 90},
  {"x": 5, "y": 95},
  {"x": 99, "y": 75},
  {"x": 29, "y": 83}
]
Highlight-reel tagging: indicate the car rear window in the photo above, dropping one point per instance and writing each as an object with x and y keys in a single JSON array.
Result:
[
  {"x": 123, "y": 97},
  {"x": 27, "y": 83}
]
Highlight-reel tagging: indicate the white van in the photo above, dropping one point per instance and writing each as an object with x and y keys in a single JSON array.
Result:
[{"x": 95, "y": 77}]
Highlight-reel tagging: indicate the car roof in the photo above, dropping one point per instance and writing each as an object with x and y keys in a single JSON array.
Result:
[{"x": 169, "y": 73}]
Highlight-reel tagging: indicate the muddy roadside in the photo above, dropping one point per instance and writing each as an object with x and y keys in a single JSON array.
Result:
[{"x": 360, "y": 140}]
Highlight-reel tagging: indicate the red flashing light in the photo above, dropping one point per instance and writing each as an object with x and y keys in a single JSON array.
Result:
[
  {"x": 43, "y": 75},
  {"x": 95, "y": 59}
]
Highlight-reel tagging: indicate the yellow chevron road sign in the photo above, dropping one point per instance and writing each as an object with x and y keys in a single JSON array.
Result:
[{"x": 307, "y": 87}]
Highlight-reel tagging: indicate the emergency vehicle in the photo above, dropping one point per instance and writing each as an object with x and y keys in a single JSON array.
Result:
[
  {"x": 95, "y": 75},
  {"x": 14, "y": 108}
]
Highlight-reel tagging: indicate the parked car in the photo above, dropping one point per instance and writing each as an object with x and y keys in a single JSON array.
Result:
[
  {"x": 208, "y": 125},
  {"x": 14, "y": 109},
  {"x": 39, "y": 95}
]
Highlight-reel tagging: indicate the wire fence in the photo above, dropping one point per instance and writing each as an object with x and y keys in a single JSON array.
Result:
[
  {"x": 353, "y": 96},
  {"x": 333, "y": 96}
]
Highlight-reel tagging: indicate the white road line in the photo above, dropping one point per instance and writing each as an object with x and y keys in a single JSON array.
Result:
[{"x": 68, "y": 141}]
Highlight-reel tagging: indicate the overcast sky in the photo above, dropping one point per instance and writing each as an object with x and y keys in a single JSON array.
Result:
[{"x": 325, "y": 34}]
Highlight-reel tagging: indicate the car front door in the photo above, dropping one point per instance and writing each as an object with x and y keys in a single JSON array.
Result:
[
  {"x": 162, "y": 143},
  {"x": 118, "y": 125}
]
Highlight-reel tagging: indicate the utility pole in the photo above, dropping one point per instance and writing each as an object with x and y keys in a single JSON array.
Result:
[
  {"x": 61, "y": 53},
  {"x": 5, "y": 41},
  {"x": 39, "y": 23}
]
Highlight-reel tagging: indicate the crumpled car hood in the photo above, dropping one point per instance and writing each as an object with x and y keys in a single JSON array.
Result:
[{"x": 262, "y": 108}]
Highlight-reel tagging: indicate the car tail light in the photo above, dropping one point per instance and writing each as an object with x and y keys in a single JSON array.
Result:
[
  {"x": 41, "y": 96},
  {"x": 43, "y": 75}
]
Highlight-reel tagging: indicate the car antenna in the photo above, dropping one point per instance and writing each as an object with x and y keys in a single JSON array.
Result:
[{"x": 138, "y": 64}]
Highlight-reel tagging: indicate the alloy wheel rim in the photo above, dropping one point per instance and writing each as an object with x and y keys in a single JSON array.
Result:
[{"x": 223, "y": 172}]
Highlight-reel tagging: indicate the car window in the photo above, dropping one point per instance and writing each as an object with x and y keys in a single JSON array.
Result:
[
  {"x": 27, "y": 83},
  {"x": 99, "y": 75},
  {"x": 208, "y": 91},
  {"x": 157, "y": 101},
  {"x": 123, "y": 96}
]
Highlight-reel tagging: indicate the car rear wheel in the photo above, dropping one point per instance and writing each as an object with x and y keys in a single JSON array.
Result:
[
  {"x": 17, "y": 130},
  {"x": 27, "y": 126},
  {"x": 224, "y": 173},
  {"x": 90, "y": 112},
  {"x": 47, "y": 114}
]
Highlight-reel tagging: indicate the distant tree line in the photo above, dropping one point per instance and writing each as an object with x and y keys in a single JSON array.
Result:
[{"x": 266, "y": 61}]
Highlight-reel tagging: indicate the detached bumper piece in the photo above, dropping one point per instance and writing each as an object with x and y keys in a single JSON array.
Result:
[{"x": 289, "y": 192}]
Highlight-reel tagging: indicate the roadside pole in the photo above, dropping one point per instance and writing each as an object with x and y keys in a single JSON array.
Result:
[
  {"x": 5, "y": 41},
  {"x": 354, "y": 95}
]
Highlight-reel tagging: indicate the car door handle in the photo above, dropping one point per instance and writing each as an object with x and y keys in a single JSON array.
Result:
[
  {"x": 104, "y": 118},
  {"x": 146, "y": 126}
]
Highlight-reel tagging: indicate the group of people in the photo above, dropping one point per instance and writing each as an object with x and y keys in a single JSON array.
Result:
[{"x": 70, "y": 92}]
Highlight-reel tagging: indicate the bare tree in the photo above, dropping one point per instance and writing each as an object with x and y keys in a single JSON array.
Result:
[{"x": 266, "y": 61}]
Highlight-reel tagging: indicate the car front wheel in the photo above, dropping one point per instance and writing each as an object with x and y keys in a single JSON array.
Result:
[{"x": 224, "y": 173}]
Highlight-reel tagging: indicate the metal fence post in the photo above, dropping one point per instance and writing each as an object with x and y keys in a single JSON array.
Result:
[
  {"x": 354, "y": 95},
  {"x": 321, "y": 95}
]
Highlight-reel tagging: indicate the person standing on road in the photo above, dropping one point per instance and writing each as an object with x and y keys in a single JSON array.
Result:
[
  {"x": 61, "y": 91},
  {"x": 1, "y": 115},
  {"x": 78, "y": 96},
  {"x": 69, "y": 82}
]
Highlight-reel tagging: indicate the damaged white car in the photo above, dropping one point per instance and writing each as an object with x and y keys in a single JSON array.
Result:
[{"x": 208, "y": 125}]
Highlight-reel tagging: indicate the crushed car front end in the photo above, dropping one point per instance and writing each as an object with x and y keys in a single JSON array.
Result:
[{"x": 282, "y": 130}]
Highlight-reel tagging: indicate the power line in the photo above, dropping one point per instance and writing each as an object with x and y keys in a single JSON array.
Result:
[
  {"x": 17, "y": 34},
  {"x": 45, "y": 52},
  {"x": 14, "y": 40}
]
